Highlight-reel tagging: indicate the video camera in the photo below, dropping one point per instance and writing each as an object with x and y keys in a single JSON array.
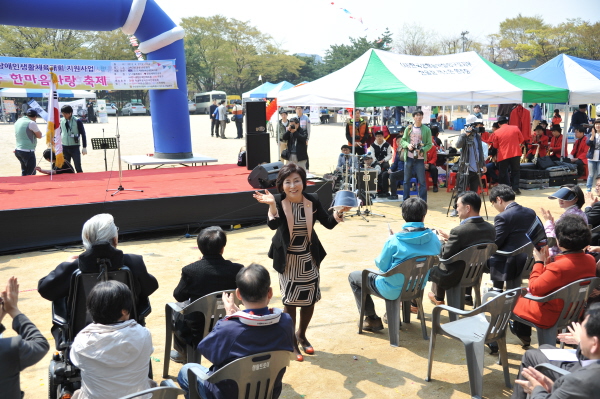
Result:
[{"x": 417, "y": 149}]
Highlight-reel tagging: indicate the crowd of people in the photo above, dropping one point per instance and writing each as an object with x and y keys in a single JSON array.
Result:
[{"x": 118, "y": 336}]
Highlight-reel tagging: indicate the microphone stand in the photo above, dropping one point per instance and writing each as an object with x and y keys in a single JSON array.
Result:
[{"x": 120, "y": 188}]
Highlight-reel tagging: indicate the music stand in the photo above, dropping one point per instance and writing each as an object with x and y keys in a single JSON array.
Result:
[
  {"x": 109, "y": 143},
  {"x": 118, "y": 146}
]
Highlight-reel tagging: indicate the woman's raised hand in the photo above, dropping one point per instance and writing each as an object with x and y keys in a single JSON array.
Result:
[{"x": 266, "y": 198}]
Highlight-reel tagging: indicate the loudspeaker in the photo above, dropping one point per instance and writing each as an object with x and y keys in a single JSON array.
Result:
[
  {"x": 258, "y": 149},
  {"x": 256, "y": 117},
  {"x": 264, "y": 176}
]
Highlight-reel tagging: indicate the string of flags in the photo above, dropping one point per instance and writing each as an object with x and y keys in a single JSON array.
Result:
[{"x": 134, "y": 43}]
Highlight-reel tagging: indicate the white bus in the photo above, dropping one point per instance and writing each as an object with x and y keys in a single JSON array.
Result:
[{"x": 204, "y": 100}]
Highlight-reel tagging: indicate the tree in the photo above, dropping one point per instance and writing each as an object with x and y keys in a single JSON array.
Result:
[
  {"x": 517, "y": 32},
  {"x": 111, "y": 45},
  {"x": 340, "y": 55},
  {"x": 415, "y": 40},
  {"x": 18, "y": 41}
]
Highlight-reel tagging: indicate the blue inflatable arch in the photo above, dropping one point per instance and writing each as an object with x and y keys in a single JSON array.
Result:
[{"x": 160, "y": 38}]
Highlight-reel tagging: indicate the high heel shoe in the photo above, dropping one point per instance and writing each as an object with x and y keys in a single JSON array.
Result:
[
  {"x": 308, "y": 349},
  {"x": 299, "y": 358}
]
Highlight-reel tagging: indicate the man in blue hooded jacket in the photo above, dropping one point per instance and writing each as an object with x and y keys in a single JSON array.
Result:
[{"x": 414, "y": 240}]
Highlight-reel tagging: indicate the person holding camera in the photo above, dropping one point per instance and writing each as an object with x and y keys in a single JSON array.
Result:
[
  {"x": 297, "y": 143},
  {"x": 472, "y": 160},
  {"x": 417, "y": 142},
  {"x": 71, "y": 131}
]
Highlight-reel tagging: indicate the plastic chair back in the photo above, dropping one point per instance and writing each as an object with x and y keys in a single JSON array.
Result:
[
  {"x": 500, "y": 309},
  {"x": 255, "y": 375},
  {"x": 475, "y": 258},
  {"x": 212, "y": 308},
  {"x": 416, "y": 274},
  {"x": 529, "y": 262},
  {"x": 158, "y": 393}
]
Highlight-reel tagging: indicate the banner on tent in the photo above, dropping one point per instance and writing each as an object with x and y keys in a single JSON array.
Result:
[{"x": 34, "y": 73}]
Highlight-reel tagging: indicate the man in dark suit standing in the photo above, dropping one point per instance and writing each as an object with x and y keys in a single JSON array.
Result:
[
  {"x": 512, "y": 225},
  {"x": 471, "y": 231},
  {"x": 214, "y": 121},
  {"x": 592, "y": 211},
  {"x": 582, "y": 382}
]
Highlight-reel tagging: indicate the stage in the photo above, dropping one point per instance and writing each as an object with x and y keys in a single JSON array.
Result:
[{"x": 37, "y": 212}]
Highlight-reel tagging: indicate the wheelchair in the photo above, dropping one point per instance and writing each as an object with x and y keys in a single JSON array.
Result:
[{"x": 70, "y": 317}]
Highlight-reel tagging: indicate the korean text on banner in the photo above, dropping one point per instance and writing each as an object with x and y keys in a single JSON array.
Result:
[{"x": 34, "y": 73}]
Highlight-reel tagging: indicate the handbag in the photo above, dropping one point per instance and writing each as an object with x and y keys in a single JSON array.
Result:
[
  {"x": 285, "y": 154},
  {"x": 227, "y": 120},
  {"x": 545, "y": 162}
]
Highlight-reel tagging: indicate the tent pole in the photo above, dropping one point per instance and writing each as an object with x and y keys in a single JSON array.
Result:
[
  {"x": 451, "y": 113},
  {"x": 563, "y": 151}
]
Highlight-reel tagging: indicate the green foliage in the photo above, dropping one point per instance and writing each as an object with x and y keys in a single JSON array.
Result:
[
  {"x": 18, "y": 41},
  {"x": 340, "y": 55},
  {"x": 229, "y": 54}
]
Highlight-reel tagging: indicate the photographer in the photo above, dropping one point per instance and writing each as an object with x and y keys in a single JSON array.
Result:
[
  {"x": 472, "y": 160},
  {"x": 417, "y": 140},
  {"x": 296, "y": 139}
]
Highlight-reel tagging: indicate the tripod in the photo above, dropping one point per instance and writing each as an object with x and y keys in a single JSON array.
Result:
[
  {"x": 120, "y": 188},
  {"x": 462, "y": 176}
]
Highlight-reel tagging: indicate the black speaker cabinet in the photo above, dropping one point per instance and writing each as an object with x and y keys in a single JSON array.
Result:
[
  {"x": 264, "y": 176},
  {"x": 256, "y": 117},
  {"x": 258, "y": 149}
]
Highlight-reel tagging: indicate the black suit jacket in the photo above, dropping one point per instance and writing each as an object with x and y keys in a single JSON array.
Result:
[
  {"x": 473, "y": 231},
  {"x": 19, "y": 352},
  {"x": 281, "y": 239},
  {"x": 55, "y": 286},
  {"x": 582, "y": 383},
  {"x": 511, "y": 226},
  {"x": 593, "y": 216}
]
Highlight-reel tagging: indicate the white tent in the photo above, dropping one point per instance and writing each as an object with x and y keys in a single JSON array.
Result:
[
  {"x": 380, "y": 78},
  {"x": 14, "y": 92}
]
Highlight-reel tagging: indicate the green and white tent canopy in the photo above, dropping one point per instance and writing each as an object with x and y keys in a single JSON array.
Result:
[{"x": 380, "y": 78}]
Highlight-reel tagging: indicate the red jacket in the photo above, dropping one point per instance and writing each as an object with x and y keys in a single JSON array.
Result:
[
  {"x": 547, "y": 279},
  {"x": 556, "y": 145},
  {"x": 521, "y": 118},
  {"x": 507, "y": 140},
  {"x": 486, "y": 137},
  {"x": 580, "y": 149},
  {"x": 543, "y": 141},
  {"x": 432, "y": 155}
]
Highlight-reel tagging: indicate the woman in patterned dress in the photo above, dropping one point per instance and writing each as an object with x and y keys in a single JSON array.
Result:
[{"x": 295, "y": 248}]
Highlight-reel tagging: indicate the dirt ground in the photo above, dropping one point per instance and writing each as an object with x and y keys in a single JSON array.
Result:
[{"x": 345, "y": 365}]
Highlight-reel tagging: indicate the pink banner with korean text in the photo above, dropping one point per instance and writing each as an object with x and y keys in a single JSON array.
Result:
[{"x": 34, "y": 73}]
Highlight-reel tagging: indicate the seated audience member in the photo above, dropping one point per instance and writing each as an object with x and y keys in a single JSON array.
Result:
[
  {"x": 592, "y": 211},
  {"x": 511, "y": 225},
  {"x": 572, "y": 236},
  {"x": 381, "y": 150},
  {"x": 210, "y": 274},
  {"x": 113, "y": 352},
  {"x": 371, "y": 164},
  {"x": 555, "y": 145},
  {"x": 435, "y": 139},
  {"x": 22, "y": 351},
  {"x": 430, "y": 166},
  {"x": 391, "y": 177},
  {"x": 471, "y": 231},
  {"x": 571, "y": 199},
  {"x": 581, "y": 383},
  {"x": 359, "y": 129},
  {"x": 580, "y": 149},
  {"x": 100, "y": 239},
  {"x": 414, "y": 240},
  {"x": 55, "y": 170},
  {"x": 346, "y": 158},
  {"x": 254, "y": 330},
  {"x": 547, "y": 131},
  {"x": 538, "y": 140}
]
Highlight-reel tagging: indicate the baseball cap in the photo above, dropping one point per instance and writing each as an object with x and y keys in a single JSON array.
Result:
[
  {"x": 378, "y": 133},
  {"x": 368, "y": 155},
  {"x": 32, "y": 112},
  {"x": 473, "y": 119}
]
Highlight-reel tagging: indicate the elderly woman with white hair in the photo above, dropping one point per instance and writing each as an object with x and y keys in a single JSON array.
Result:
[{"x": 100, "y": 238}]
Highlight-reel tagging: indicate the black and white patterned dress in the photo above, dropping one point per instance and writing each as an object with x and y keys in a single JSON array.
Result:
[{"x": 299, "y": 282}]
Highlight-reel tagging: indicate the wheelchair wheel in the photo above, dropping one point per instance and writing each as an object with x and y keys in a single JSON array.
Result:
[{"x": 52, "y": 386}]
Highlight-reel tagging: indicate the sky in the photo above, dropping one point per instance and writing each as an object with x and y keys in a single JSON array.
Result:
[{"x": 311, "y": 26}]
